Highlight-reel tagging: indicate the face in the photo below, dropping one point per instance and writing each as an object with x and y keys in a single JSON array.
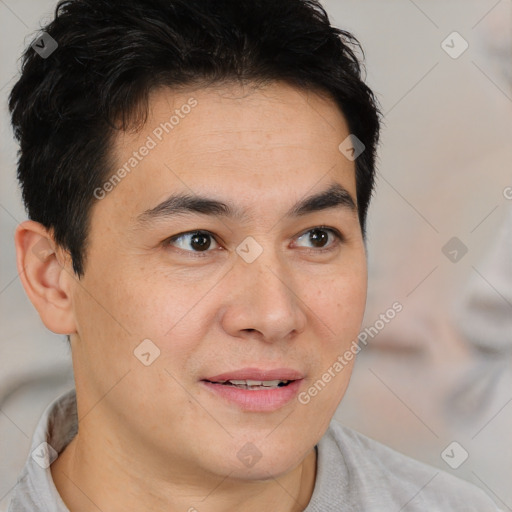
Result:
[{"x": 181, "y": 297}]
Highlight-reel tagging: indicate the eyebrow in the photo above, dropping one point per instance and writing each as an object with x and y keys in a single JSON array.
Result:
[{"x": 336, "y": 196}]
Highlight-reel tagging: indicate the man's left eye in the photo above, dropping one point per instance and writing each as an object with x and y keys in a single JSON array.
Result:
[{"x": 319, "y": 237}]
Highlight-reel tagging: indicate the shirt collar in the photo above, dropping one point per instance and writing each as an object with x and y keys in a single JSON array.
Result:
[{"x": 35, "y": 490}]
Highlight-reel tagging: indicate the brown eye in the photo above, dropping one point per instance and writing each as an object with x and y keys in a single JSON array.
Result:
[
  {"x": 319, "y": 237},
  {"x": 192, "y": 241}
]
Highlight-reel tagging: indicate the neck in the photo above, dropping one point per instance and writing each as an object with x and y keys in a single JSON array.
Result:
[{"x": 94, "y": 474}]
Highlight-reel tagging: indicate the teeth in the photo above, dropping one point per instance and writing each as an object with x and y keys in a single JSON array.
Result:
[{"x": 257, "y": 383}]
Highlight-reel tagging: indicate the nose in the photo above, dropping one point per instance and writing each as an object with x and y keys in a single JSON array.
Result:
[{"x": 264, "y": 301}]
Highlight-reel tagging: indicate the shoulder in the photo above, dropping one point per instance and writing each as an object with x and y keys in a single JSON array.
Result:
[{"x": 378, "y": 472}]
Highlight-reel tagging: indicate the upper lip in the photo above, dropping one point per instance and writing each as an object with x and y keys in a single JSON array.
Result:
[{"x": 257, "y": 374}]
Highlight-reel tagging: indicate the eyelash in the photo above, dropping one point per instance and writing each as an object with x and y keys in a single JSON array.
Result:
[{"x": 201, "y": 254}]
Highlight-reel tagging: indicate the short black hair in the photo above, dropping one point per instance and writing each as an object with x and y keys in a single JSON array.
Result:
[{"x": 66, "y": 108}]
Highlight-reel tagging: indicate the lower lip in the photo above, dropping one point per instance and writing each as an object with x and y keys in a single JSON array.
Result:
[{"x": 257, "y": 400}]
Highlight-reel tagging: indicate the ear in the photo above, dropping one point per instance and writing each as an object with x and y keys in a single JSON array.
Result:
[{"x": 46, "y": 275}]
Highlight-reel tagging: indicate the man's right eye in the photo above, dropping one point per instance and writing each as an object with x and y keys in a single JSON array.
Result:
[{"x": 192, "y": 241}]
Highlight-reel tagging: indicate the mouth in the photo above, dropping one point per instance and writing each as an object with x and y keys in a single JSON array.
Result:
[
  {"x": 253, "y": 384},
  {"x": 256, "y": 390}
]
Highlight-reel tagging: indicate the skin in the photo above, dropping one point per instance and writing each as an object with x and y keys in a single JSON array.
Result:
[{"x": 152, "y": 437}]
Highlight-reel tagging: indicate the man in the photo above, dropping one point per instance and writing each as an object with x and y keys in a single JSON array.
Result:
[{"x": 197, "y": 176}]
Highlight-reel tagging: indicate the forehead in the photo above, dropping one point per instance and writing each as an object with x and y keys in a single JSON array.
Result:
[{"x": 255, "y": 144}]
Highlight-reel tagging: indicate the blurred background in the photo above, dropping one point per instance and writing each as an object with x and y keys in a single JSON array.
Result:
[{"x": 440, "y": 244}]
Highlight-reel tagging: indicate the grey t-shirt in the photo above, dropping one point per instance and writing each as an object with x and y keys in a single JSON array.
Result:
[{"x": 354, "y": 473}]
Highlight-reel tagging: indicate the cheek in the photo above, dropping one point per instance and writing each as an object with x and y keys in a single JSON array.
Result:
[
  {"x": 337, "y": 306},
  {"x": 176, "y": 315},
  {"x": 339, "y": 300},
  {"x": 146, "y": 303}
]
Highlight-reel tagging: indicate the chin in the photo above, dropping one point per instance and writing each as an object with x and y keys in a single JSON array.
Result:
[{"x": 267, "y": 462}]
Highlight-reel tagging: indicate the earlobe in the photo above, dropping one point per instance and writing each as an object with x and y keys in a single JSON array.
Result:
[{"x": 44, "y": 276}]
